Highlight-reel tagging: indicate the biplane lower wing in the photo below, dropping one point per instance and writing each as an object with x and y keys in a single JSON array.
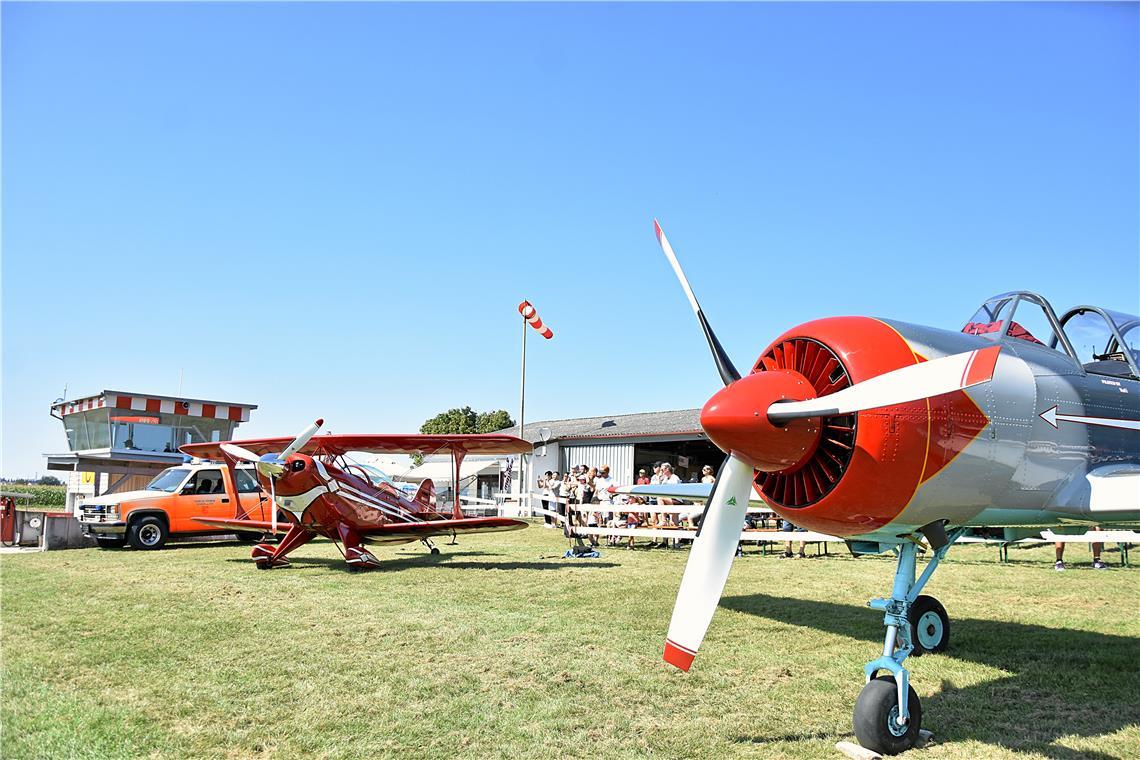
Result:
[
  {"x": 250, "y": 526},
  {"x": 400, "y": 533}
]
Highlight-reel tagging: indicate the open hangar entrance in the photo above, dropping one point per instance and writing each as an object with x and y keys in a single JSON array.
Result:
[{"x": 687, "y": 457}]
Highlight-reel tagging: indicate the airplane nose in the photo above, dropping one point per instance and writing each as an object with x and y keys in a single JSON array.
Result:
[{"x": 736, "y": 420}]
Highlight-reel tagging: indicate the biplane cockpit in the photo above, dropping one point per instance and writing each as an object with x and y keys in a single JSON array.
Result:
[{"x": 1101, "y": 341}]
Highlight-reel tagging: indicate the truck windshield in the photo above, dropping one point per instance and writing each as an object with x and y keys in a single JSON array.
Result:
[{"x": 168, "y": 480}]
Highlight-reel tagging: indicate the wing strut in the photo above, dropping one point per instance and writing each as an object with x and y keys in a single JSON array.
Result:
[{"x": 457, "y": 456}]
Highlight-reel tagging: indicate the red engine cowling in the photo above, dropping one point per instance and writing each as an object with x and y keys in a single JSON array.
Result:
[{"x": 861, "y": 470}]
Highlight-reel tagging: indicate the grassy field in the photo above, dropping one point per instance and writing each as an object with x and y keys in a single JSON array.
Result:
[{"x": 500, "y": 648}]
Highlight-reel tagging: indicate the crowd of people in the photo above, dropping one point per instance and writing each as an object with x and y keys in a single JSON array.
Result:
[{"x": 571, "y": 493}]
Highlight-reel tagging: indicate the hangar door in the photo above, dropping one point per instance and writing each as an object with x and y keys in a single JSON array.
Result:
[{"x": 619, "y": 456}]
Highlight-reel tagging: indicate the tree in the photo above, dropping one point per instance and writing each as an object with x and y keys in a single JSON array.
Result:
[
  {"x": 489, "y": 422},
  {"x": 49, "y": 480},
  {"x": 465, "y": 420}
]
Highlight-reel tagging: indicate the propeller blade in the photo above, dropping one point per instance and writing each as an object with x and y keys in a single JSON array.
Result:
[
  {"x": 300, "y": 441},
  {"x": 273, "y": 503},
  {"x": 724, "y": 365},
  {"x": 237, "y": 452},
  {"x": 709, "y": 562},
  {"x": 924, "y": 380}
]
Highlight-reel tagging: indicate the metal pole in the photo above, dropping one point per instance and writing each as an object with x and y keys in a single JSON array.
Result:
[{"x": 522, "y": 417}]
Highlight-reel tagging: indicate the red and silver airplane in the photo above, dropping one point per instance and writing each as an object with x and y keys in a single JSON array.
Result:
[
  {"x": 319, "y": 493},
  {"x": 899, "y": 437}
]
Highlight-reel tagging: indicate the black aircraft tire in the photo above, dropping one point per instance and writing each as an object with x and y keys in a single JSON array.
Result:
[
  {"x": 875, "y": 711},
  {"x": 929, "y": 625},
  {"x": 435, "y": 550}
]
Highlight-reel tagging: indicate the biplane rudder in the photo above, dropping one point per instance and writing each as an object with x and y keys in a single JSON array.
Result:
[{"x": 425, "y": 495}]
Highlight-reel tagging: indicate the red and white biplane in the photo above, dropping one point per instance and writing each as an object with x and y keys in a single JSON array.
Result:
[{"x": 318, "y": 492}]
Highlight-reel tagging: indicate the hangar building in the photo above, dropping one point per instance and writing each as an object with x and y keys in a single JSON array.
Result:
[{"x": 626, "y": 442}]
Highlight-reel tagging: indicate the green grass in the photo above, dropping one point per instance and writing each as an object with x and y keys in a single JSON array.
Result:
[{"x": 500, "y": 648}]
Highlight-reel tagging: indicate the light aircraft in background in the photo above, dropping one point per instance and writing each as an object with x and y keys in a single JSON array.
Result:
[
  {"x": 320, "y": 493},
  {"x": 898, "y": 437}
]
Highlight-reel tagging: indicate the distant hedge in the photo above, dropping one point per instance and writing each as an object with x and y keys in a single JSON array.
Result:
[{"x": 47, "y": 498}]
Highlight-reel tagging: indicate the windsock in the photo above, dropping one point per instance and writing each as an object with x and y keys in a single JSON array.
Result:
[{"x": 531, "y": 316}]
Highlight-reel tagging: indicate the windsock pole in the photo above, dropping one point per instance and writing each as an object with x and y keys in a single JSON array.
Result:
[{"x": 530, "y": 316}]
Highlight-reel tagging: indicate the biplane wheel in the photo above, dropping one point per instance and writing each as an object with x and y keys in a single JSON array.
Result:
[
  {"x": 435, "y": 550},
  {"x": 930, "y": 626},
  {"x": 875, "y": 712}
]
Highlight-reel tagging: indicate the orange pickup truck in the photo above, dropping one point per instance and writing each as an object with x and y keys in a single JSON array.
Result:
[{"x": 165, "y": 509}]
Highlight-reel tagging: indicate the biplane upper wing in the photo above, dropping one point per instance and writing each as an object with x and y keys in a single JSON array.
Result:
[{"x": 336, "y": 445}]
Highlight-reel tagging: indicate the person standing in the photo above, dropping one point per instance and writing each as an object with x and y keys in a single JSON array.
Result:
[{"x": 544, "y": 485}]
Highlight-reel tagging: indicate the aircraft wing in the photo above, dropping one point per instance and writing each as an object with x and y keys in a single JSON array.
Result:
[
  {"x": 336, "y": 445},
  {"x": 687, "y": 491},
  {"x": 251, "y": 526},
  {"x": 397, "y": 532}
]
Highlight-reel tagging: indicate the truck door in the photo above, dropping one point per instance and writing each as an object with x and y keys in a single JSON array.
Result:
[
  {"x": 203, "y": 495},
  {"x": 254, "y": 500}
]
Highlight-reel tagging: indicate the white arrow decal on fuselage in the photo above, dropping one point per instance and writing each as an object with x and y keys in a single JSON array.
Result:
[{"x": 1052, "y": 417}]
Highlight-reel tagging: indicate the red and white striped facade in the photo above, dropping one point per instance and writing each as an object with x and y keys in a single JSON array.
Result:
[{"x": 157, "y": 404}]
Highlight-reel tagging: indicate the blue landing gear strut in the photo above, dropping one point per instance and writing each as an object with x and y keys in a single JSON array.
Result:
[{"x": 888, "y": 714}]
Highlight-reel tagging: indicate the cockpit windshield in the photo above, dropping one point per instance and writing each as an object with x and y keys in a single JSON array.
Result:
[
  {"x": 1107, "y": 342},
  {"x": 1033, "y": 321}
]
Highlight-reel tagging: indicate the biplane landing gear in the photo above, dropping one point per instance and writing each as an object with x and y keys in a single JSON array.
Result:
[
  {"x": 267, "y": 556},
  {"x": 427, "y": 542},
  {"x": 888, "y": 714}
]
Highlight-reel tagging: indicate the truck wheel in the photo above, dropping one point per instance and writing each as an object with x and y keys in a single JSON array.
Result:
[
  {"x": 110, "y": 543},
  {"x": 147, "y": 533},
  {"x": 247, "y": 538}
]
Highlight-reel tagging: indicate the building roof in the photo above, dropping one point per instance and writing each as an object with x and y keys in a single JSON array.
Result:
[
  {"x": 674, "y": 422},
  {"x": 151, "y": 402}
]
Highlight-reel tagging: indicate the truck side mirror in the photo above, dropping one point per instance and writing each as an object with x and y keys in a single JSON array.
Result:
[{"x": 187, "y": 489}]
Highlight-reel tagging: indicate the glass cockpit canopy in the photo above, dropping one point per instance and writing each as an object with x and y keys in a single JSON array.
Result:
[{"x": 1101, "y": 341}]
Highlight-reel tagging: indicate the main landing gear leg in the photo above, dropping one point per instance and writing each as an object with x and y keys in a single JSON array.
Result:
[
  {"x": 427, "y": 542},
  {"x": 357, "y": 557},
  {"x": 888, "y": 714},
  {"x": 268, "y": 556}
]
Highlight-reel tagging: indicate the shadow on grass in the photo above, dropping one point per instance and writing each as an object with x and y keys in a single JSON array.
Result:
[
  {"x": 443, "y": 559},
  {"x": 1064, "y": 681}
]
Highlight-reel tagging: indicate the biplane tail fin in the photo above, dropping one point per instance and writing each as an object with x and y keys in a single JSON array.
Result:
[{"x": 425, "y": 495}]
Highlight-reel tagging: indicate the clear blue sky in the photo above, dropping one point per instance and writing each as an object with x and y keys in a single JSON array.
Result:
[{"x": 334, "y": 210}]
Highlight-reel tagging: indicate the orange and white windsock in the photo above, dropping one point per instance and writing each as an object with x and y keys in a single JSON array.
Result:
[{"x": 531, "y": 316}]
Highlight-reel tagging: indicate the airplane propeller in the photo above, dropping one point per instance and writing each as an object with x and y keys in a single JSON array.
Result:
[
  {"x": 767, "y": 421},
  {"x": 272, "y": 465}
]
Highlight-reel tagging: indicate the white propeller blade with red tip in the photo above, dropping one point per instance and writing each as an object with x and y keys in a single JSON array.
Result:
[
  {"x": 272, "y": 465},
  {"x": 925, "y": 380},
  {"x": 709, "y": 562}
]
